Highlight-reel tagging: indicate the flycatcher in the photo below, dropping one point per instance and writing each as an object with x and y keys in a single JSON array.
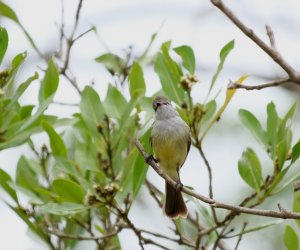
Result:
[{"x": 171, "y": 140}]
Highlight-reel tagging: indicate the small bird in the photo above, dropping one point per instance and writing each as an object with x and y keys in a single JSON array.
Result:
[{"x": 171, "y": 141}]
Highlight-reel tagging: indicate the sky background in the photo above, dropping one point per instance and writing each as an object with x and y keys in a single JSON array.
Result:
[{"x": 199, "y": 24}]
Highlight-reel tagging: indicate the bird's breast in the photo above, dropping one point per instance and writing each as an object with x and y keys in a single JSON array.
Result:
[{"x": 170, "y": 145}]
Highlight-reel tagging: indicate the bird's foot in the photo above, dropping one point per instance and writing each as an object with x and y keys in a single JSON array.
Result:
[
  {"x": 179, "y": 186},
  {"x": 151, "y": 158}
]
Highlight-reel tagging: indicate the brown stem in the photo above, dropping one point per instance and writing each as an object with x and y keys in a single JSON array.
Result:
[
  {"x": 210, "y": 182},
  {"x": 233, "y": 85}
]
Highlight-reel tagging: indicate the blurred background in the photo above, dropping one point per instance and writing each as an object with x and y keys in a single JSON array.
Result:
[{"x": 121, "y": 25}]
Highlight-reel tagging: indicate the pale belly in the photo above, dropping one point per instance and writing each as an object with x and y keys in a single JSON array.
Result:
[{"x": 170, "y": 148}]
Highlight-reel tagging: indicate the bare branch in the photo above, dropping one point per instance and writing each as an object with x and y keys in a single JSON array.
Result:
[
  {"x": 234, "y": 85},
  {"x": 271, "y": 37},
  {"x": 284, "y": 214},
  {"x": 77, "y": 17},
  {"x": 65, "y": 104},
  {"x": 210, "y": 182},
  {"x": 70, "y": 42},
  {"x": 83, "y": 34},
  {"x": 240, "y": 236}
]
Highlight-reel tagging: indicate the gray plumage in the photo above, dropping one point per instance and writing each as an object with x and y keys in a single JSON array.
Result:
[{"x": 170, "y": 138}]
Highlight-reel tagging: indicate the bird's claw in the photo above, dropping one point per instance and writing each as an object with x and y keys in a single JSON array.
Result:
[
  {"x": 151, "y": 158},
  {"x": 179, "y": 186}
]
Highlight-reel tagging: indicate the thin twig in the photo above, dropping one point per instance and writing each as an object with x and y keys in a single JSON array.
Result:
[
  {"x": 284, "y": 214},
  {"x": 240, "y": 236},
  {"x": 65, "y": 104},
  {"x": 234, "y": 85},
  {"x": 70, "y": 41},
  {"x": 210, "y": 182},
  {"x": 83, "y": 34},
  {"x": 271, "y": 37},
  {"x": 72, "y": 80},
  {"x": 158, "y": 235}
]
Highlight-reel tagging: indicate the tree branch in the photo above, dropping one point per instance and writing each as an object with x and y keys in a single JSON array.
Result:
[
  {"x": 240, "y": 236},
  {"x": 210, "y": 187},
  {"x": 284, "y": 214},
  {"x": 234, "y": 85}
]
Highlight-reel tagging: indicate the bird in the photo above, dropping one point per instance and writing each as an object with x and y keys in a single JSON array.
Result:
[{"x": 170, "y": 140}]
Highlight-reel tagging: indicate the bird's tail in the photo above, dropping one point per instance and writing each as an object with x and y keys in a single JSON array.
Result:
[{"x": 174, "y": 203}]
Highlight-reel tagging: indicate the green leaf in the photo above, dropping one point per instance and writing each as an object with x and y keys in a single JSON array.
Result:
[
  {"x": 284, "y": 126},
  {"x": 223, "y": 54},
  {"x": 115, "y": 103},
  {"x": 68, "y": 191},
  {"x": 140, "y": 166},
  {"x": 86, "y": 155},
  {"x": 26, "y": 111},
  {"x": 3, "y": 42},
  {"x": 290, "y": 238},
  {"x": 113, "y": 63},
  {"x": 272, "y": 124},
  {"x": 137, "y": 86},
  {"x": 68, "y": 167},
  {"x": 289, "y": 115},
  {"x": 250, "y": 169},
  {"x": 6, "y": 11},
  {"x": 296, "y": 205},
  {"x": 125, "y": 120},
  {"x": 188, "y": 58},
  {"x": 19, "y": 133},
  {"x": 251, "y": 122},
  {"x": 56, "y": 143},
  {"x": 282, "y": 153},
  {"x": 286, "y": 182},
  {"x": 65, "y": 208},
  {"x": 229, "y": 94},
  {"x": 91, "y": 108},
  {"x": 26, "y": 176},
  {"x": 296, "y": 151},
  {"x": 43, "y": 106},
  {"x": 49, "y": 83},
  {"x": 15, "y": 65},
  {"x": 18, "y": 60},
  {"x": 21, "y": 89},
  {"x": 169, "y": 74},
  {"x": 127, "y": 174},
  {"x": 5, "y": 179}
]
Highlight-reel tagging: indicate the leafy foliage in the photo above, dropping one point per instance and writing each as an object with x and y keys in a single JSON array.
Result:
[{"x": 250, "y": 169}]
